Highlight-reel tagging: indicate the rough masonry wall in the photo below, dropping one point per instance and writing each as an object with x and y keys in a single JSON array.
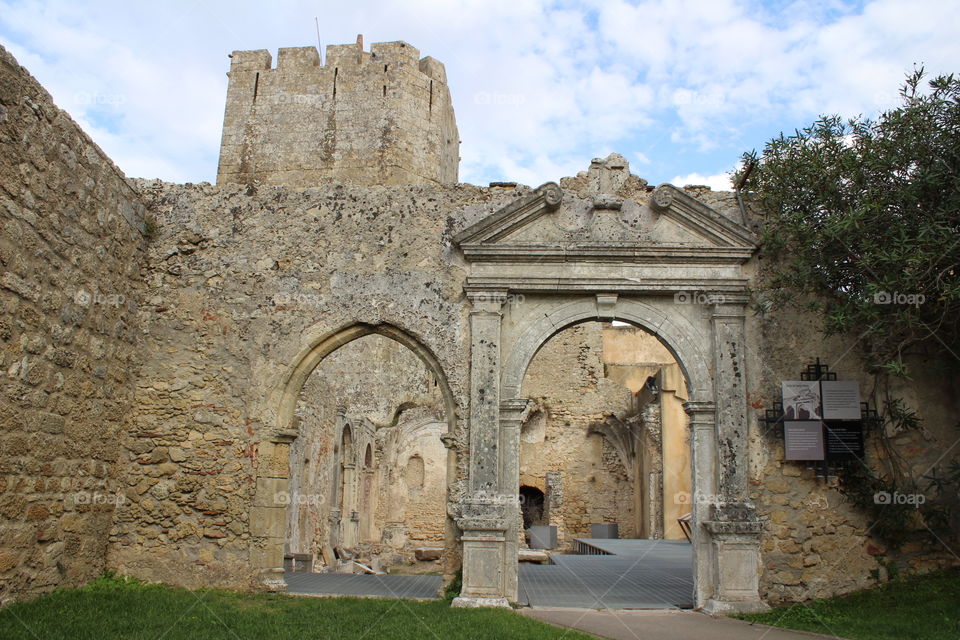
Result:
[
  {"x": 244, "y": 281},
  {"x": 71, "y": 249},
  {"x": 815, "y": 542},
  {"x": 578, "y": 380},
  {"x": 382, "y": 117},
  {"x": 566, "y": 381},
  {"x": 393, "y": 404}
]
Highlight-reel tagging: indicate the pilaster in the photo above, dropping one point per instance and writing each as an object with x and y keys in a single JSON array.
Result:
[
  {"x": 486, "y": 514},
  {"x": 732, "y": 521},
  {"x": 268, "y": 513}
]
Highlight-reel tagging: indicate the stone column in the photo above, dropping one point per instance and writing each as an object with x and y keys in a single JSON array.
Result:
[
  {"x": 485, "y": 514},
  {"x": 511, "y": 416},
  {"x": 349, "y": 516},
  {"x": 268, "y": 513},
  {"x": 703, "y": 450},
  {"x": 485, "y": 390},
  {"x": 732, "y": 522},
  {"x": 729, "y": 363}
]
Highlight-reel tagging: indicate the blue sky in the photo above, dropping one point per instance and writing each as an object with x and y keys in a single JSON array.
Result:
[{"x": 681, "y": 88}]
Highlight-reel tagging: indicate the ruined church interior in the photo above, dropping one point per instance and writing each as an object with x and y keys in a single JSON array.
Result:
[{"x": 603, "y": 442}]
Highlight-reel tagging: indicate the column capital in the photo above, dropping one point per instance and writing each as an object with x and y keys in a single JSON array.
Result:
[
  {"x": 730, "y": 307},
  {"x": 513, "y": 408},
  {"x": 486, "y": 301},
  {"x": 700, "y": 411}
]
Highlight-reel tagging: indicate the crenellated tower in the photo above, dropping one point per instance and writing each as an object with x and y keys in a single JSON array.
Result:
[{"x": 369, "y": 118}]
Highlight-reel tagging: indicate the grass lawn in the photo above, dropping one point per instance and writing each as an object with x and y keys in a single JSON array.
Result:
[
  {"x": 116, "y": 608},
  {"x": 926, "y": 607}
]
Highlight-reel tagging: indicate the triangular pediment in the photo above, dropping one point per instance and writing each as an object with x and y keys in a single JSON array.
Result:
[{"x": 672, "y": 226}]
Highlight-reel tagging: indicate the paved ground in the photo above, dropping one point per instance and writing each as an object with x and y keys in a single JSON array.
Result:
[
  {"x": 638, "y": 574},
  {"x": 662, "y": 625},
  {"x": 346, "y": 584}
]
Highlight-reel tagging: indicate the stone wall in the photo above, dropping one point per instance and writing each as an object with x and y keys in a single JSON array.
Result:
[
  {"x": 583, "y": 382},
  {"x": 71, "y": 249},
  {"x": 143, "y": 399},
  {"x": 382, "y": 117},
  {"x": 394, "y": 407},
  {"x": 815, "y": 542},
  {"x": 244, "y": 282}
]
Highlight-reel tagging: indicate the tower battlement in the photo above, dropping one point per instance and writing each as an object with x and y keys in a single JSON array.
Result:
[{"x": 382, "y": 116}]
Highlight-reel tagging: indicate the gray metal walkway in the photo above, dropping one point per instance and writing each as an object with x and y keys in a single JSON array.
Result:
[
  {"x": 348, "y": 584},
  {"x": 628, "y": 574}
]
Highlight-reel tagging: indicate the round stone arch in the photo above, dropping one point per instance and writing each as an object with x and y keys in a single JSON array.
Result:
[
  {"x": 691, "y": 346},
  {"x": 676, "y": 333},
  {"x": 267, "y": 517},
  {"x": 323, "y": 345}
]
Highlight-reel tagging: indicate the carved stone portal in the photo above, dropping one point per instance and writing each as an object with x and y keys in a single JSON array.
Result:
[{"x": 670, "y": 265}]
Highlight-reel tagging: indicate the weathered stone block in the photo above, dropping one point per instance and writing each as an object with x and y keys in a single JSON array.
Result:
[{"x": 267, "y": 522}]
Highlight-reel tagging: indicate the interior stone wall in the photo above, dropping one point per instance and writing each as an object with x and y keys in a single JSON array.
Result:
[
  {"x": 71, "y": 252},
  {"x": 394, "y": 406},
  {"x": 244, "y": 281},
  {"x": 584, "y": 375}
]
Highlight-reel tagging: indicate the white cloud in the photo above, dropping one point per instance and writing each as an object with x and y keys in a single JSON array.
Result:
[
  {"x": 717, "y": 181},
  {"x": 677, "y": 85}
]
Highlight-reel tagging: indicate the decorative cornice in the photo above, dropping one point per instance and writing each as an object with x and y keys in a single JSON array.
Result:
[
  {"x": 545, "y": 198},
  {"x": 732, "y": 290},
  {"x": 698, "y": 217},
  {"x": 724, "y": 241},
  {"x": 613, "y": 253}
]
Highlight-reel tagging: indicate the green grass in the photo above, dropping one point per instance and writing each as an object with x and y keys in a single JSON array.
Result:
[
  {"x": 117, "y": 608},
  {"x": 926, "y": 607}
]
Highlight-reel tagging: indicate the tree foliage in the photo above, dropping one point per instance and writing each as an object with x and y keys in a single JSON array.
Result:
[{"x": 863, "y": 217}]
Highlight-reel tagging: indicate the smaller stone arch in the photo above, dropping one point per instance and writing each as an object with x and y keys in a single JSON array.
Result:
[
  {"x": 284, "y": 397},
  {"x": 267, "y": 517},
  {"x": 414, "y": 472},
  {"x": 368, "y": 457}
]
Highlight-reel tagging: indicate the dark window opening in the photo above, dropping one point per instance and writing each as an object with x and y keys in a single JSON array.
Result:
[{"x": 531, "y": 506}]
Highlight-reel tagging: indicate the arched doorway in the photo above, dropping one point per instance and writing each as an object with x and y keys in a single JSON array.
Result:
[
  {"x": 607, "y": 438},
  {"x": 532, "y": 506},
  {"x": 347, "y": 444},
  {"x": 607, "y": 248}
]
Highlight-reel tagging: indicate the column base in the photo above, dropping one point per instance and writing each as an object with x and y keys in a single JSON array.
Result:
[
  {"x": 467, "y": 602},
  {"x": 272, "y": 580},
  {"x": 726, "y": 607}
]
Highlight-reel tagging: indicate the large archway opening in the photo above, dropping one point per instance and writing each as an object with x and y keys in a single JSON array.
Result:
[
  {"x": 607, "y": 441},
  {"x": 368, "y": 470}
]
